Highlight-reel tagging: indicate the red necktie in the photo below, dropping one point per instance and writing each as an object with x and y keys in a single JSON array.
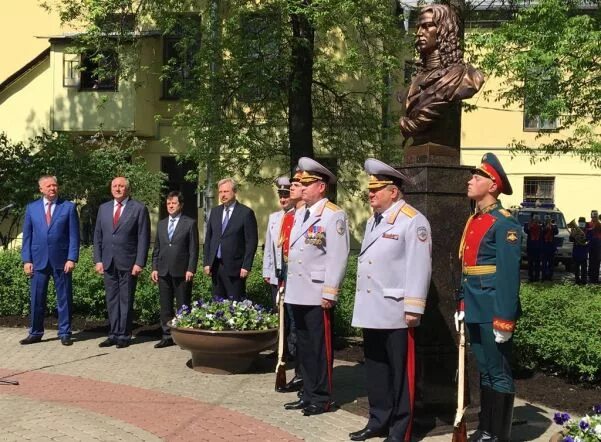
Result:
[
  {"x": 117, "y": 214},
  {"x": 48, "y": 213}
]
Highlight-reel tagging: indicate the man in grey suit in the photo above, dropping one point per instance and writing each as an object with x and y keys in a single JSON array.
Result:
[
  {"x": 121, "y": 240},
  {"x": 319, "y": 248},
  {"x": 393, "y": 277},
  {"x": 174, "y": 261}
]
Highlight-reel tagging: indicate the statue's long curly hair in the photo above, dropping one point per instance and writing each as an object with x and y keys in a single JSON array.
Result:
[{"x": 447, "y": 34}]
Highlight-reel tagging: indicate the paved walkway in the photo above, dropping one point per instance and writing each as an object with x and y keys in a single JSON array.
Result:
[{"x": 88, "y": 393}]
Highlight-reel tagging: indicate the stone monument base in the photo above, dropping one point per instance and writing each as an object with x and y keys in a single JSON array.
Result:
[{"x": 432, "y": 153}]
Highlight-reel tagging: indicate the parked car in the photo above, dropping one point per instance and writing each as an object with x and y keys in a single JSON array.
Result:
[{"x": 523, "y": 214}]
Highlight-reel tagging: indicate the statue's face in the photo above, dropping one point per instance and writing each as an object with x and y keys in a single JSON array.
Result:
[{"x": 425, "y": 37}]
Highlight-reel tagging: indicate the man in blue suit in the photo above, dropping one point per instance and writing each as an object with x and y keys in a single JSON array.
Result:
[
  {"x": 50, "y": 249},
  {"x": 121, "y": 240}
]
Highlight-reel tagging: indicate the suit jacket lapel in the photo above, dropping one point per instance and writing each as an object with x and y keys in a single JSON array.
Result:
[
  {"x": 58, "y": 206},
  {"x": 125, "y": 213},
  {"x": 232, "y": 212},
  {"x": 178, "y": 228}
]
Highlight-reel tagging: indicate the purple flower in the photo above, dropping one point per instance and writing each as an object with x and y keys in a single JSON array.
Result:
[
  {"x": 561, "y": 418},
  {"x": 218, "y": 299},
  {"x": 198, "y": 303},
  {"x": 583, "y": 425},
  {"x": 183, "y": 309},
  {"x": 219, "y": 314},
  {"x": 568, "y": 439},
  {"x": 597, "y": 408}
]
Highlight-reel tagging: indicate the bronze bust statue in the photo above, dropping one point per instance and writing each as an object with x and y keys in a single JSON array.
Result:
[{"x": 442, "y": 79}]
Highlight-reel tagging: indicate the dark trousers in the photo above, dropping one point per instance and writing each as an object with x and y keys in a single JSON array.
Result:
[
  {"x": 172, "y": 288},
  {"x": 225, "y": 285},
  {"x": 493, "y": 359},
  {"x": 580, "y": 273},
  {"x": 388, "y": 383},
  {"x": 548, "y": 265},
  {"x": 311, "y": 350},
  {"x": 64, "y": 300},
  {"x": 534, "y": 267},
  {"x": 120, "y": 287},
  {"x": 593, "y": 265}
]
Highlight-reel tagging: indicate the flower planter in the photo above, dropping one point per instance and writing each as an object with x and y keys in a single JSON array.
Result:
[{"x": 223, "y": 352}]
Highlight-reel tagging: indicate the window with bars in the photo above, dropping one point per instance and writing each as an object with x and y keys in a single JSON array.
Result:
[{"x": 540, "y": 189}]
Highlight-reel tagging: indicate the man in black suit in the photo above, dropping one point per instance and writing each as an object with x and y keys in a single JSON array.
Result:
[
  {"x": 174, "y": 261},
  {"x": 121, "y": 240},
  {"x": 230, "y": 243}
]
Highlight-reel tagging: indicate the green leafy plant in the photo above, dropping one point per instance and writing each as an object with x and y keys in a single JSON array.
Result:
[{"x": 225, "y": 314}]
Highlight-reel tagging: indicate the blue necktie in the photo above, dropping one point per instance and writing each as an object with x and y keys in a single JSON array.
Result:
[
  {"x": 226, "y": 219},
  {"x": 171, "y": 228}
]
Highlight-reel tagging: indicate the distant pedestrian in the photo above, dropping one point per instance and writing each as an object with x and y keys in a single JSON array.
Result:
[
  {"x": 549, "y": 247},
  {"x": 579, "y": 251},
  {"x": 534, "y": 245},
  {"x": 593, "y": 230}
]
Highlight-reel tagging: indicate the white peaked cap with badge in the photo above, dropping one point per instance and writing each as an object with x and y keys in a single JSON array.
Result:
[
  {"x": 282, "y": 184},
  {"x": 381, "y": 174},
  {"x": 313, "y": 171}
]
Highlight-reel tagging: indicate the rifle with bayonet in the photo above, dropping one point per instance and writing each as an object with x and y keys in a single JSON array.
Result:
[{"x": 280, "y": 368}]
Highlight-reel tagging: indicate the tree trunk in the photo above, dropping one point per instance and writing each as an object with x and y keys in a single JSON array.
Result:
[{"x": 300, "y": 109}]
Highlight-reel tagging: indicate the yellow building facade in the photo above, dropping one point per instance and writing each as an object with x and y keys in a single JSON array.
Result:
[{"x": 39, "y": 90}]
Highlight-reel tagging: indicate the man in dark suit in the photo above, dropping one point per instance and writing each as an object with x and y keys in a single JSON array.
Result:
[
  {"x": 174, "y": 261},
  {"x": 50, "y": 248},
  {"x": 121, "y": 240},
  {"x": 230, "y": 243}
]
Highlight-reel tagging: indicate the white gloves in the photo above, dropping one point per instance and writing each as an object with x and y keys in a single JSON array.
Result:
[
  {"x": 279, "y": 294},
  {"x": 459, "y": 316},
  {"x": 502, "y": 336}
]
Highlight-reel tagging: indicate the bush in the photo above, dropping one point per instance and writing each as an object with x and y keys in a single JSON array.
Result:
[{"x": 560, "y": 330}]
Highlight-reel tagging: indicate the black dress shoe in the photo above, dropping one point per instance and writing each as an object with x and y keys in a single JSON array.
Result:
[
  {"x": 393, "y": 439},
  {"x": 108, "y": 342},
  {"x": 368, "y": 433},
  {"x": 296, "y": 405},
  {"x": 122, "y": 343},
  {"x": 30, "y": 340},
  {"x": 66, "y": 340},
  {"x": 314, "y": 409},
  {"x": 295, "y": 384},
  {"x": 164, "y": 343}
]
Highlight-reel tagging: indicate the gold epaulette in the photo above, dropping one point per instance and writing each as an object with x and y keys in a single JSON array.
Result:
[
  {"x": 333, "y": 207},
  {"x": 409, "y": 211},
  {"x": 505, "y": 212}
]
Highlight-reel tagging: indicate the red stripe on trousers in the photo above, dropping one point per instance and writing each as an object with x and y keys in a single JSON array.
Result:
[
  {"x": 327, "y": 325},
  {"x": 411, "y": 377}
]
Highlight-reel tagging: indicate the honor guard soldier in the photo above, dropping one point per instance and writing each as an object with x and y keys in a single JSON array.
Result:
[
  {"x": 489, "y": 296},
  {"x": 319, "y": 248},
  {"x": 393, "y": 277},
  {"x": 272, "y": 254},
  {"x": 297, "y": 212}
]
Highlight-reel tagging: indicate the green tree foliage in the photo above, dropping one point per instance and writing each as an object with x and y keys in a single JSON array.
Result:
[
  {"x": 84, "y": 168},
  {"x": 244, "y": 98},
  {"x": 549, "y": 58}
]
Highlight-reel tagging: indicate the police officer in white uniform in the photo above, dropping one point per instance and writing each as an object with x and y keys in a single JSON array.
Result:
[
  {"x": 272, "y": 253},
  {"x": 393, "y": 277},
  {"x": 319, "y": 248}
]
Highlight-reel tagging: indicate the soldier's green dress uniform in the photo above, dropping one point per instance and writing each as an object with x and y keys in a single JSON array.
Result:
[{"x": 489, "y": 296}]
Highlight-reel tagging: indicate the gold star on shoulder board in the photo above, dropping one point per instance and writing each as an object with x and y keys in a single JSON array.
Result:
[{"x": 512, "y": 236}]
